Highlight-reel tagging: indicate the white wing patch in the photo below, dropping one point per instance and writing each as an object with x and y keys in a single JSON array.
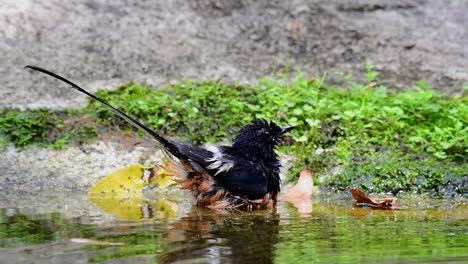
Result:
[{"x": 219, "y": 161}]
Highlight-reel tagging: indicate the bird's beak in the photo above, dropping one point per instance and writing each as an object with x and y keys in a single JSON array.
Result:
[{"x": 287, "y": 129}]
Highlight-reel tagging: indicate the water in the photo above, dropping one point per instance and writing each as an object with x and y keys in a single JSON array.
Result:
[{"x": 69, "y": 228}]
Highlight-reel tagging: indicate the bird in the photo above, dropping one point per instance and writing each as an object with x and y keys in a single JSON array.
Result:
[{"x": 243, "y": 175}]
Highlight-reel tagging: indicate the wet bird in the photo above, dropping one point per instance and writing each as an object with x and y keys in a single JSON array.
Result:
[{"x": 243, "y": 176}]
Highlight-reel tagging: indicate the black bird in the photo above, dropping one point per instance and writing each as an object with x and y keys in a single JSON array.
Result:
[{"x": 242, "y": 176}]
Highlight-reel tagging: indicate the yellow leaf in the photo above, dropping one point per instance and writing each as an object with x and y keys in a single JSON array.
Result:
[
  {"x": 125, "y": 182},
  {"x": 164, "y": 178},
  {"x": 122, "y": 208},
  {"x": 166, "y": 209},
  {"x": 121, "y": 193}
]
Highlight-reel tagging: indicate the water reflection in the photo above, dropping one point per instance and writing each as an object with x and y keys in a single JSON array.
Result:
[
  {"x": 212, "y": 237},
  {"x": 332, "y": 232}
]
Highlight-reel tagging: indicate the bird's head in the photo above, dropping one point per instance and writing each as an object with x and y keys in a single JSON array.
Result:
[{"x": 260, "y": 136}]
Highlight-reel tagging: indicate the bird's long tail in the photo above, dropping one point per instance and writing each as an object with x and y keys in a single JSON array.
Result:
[{"x": 165, "y": 144}]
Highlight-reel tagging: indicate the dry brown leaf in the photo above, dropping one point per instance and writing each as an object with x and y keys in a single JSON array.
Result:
[
  {"x": 301, "y": 194},
  {"x": 361, "y": 197},
  {"x": 363, "y": 200}
]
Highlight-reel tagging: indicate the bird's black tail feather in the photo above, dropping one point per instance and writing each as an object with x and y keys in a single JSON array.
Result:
[{"x": 164, "y": 143}]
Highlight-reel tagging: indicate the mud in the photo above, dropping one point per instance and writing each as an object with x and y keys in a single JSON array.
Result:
[{"x": 101, "y": 44}]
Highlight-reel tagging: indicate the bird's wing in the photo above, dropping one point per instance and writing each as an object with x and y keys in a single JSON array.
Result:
[
  {"x": 214, "y": 160},
  {"x": 238, "y": 176}
]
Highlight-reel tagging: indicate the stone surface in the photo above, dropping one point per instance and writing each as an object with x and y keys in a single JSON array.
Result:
[
  {"x": 101, "y": 44},
  {"x": 37, "y": 170}
]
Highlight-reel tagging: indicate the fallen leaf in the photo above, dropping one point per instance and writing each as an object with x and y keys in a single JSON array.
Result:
[
  {"x": 361, "y": 197},
  {"x": 363, "y": 200},
  {"x": 130, "y": 181},
  {"x": 121, "y": 193},
  {"x": 125, "y": 182},
  {"x": 132, "y": 208},
  {"x": 95, "y": 242},
  {"x": 163, "y": 176},
  {"x": 166, "y": 209},
  {"x": 300, "y": 195}
]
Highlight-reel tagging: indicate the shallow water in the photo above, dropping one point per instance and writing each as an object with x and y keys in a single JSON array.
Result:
[{"x": 69, "y": 228}]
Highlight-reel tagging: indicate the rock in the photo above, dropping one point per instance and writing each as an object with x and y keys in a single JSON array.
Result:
[
  {"x": 34, "y": 169},
  {"x": 102, "y": 44}
]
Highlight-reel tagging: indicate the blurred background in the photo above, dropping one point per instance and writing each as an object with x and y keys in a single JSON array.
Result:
[{"x": 101, "y": 44}]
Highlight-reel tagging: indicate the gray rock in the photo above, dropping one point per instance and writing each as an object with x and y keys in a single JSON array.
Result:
[
  {"x": 35, "y": 170},
  {"x": 101, "y": 44}
]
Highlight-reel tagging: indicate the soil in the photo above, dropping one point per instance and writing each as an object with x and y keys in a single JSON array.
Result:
[{"x": 102, "y": 44}]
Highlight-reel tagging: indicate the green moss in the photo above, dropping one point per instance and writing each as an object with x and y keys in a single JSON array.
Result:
[
  {"x": 24, "y": 128},
  {"x": 45, "y": 128},
  {"x": 196, "y": 112},
  {"x": 381, "y": 140}
]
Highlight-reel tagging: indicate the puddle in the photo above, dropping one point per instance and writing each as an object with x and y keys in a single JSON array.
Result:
[{"x": 69, "y": 228}]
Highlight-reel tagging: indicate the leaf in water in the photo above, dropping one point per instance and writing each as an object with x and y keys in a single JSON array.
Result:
[
  {"x": 361, "y": 197},
  {"x": 300, "y": 194},
  {"x": 166, "y": 209},
  {"x": 163, "y": 175},
  {"x": 125, "y": 182},
  {"x": 130, "y": 208},
  {"x": 121, "y": 193},
  {"x": 363, "y": 200},
  {"x": 131, "y": 180},
  {"x": 136, "y": 208},
  {"x": 95, "y": 242}
]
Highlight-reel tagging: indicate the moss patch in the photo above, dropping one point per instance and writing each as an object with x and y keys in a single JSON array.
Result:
[
  {"x": 46, "y": 128},
  {"x": 380, "y": 140}
]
